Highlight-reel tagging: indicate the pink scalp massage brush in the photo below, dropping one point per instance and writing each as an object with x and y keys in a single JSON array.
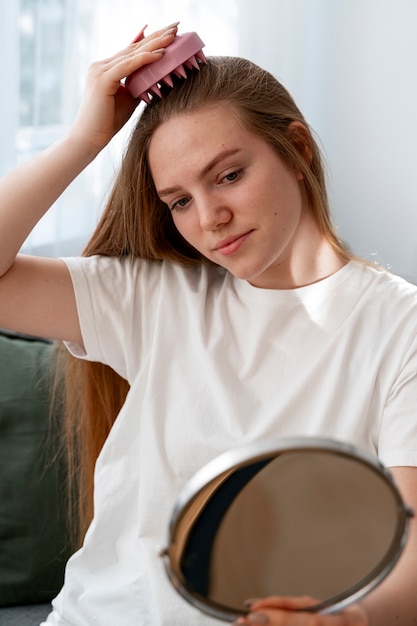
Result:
[{"x": 184, "y": 52}]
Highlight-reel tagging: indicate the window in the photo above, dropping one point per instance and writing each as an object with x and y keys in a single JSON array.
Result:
[
  {"x": 42, "y": 34},
  {"x": 47, "y": 47},
  {"x": 47, "y": 66}
]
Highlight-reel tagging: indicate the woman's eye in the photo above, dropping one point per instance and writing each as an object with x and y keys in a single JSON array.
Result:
[
  {"x": 232, "y": 176},
  {"x": 179, "y": 204}
]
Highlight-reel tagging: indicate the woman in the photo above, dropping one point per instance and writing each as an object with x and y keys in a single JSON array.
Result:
[{"x": 216, "y": 290}]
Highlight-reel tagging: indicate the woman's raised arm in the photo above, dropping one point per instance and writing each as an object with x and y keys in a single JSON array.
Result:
[{"x": 28, "y": 192}]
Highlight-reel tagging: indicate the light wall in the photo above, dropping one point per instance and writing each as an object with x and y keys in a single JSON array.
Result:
[{"x": 352, "y": 67}]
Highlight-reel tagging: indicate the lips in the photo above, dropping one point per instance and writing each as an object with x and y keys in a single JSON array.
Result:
[{"x": 230, "y": 245}]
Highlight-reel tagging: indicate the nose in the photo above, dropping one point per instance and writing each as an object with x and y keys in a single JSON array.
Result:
[{"x": 212, "y": 213}]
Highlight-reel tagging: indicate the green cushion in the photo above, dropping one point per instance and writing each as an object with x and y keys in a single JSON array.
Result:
[{"x": 33, "y": 537}]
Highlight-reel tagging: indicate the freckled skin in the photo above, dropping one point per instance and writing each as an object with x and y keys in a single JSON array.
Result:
[{"x": 248, "y": 192}]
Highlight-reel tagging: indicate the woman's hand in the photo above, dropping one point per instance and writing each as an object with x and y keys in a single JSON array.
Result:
[
  {"x": 29, "y": 191},
  {"x": 107, "y": 104},
  {"x": 283, "y": 611}
]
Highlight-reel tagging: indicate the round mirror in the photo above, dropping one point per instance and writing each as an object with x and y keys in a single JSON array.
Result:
[{"x": 303, "y": 516}]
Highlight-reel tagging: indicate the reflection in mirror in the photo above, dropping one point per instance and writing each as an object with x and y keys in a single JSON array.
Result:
[{"x": 304, "y": 517}]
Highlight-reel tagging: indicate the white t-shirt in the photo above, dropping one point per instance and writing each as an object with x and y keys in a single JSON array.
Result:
[{"x": 216, "y": 363}]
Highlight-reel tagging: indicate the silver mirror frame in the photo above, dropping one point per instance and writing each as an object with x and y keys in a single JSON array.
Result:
[{"x": 239, "y": 457}]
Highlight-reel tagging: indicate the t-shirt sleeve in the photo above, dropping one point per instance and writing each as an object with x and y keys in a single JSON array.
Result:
[
  {"x": 110, "y": 295},
  {"x": 398, "y": 434}
]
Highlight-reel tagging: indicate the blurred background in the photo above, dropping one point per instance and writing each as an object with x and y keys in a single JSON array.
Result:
[{"x": 350, "y": 64}]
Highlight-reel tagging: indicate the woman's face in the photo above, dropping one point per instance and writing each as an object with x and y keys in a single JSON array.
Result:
[{"x": 232, "y": 198}]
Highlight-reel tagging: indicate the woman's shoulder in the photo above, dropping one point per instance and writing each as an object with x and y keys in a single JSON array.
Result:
[
  {"x": 384, "y": 281},
  {"x": 125, "y": 270},
  {"x": 385, "y": 296}
]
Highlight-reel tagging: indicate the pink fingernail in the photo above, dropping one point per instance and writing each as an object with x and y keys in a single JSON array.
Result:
[{"x": 140, "y": 35}]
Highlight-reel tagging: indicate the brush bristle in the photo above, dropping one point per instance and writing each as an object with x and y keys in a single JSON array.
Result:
[
  {"x": 180, "y": 72},
  {"x": 168, "y": 80},
  {"x": 192, "y": 63}
]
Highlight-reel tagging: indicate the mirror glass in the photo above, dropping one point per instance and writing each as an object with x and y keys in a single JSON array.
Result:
[{"x": 304, "y": 516}]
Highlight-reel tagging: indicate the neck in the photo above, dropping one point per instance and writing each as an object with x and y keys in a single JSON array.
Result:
[{"x": 311, "y": 259}]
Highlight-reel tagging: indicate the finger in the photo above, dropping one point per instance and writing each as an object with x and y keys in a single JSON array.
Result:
[
  {"x": 353, "y": 616},
  {"x": 110, "y": 72},
  {"x": 140, "y": 35},
  {"x": 155, "y": 34},
  {"x": 129, "y": 64},
  {"x": 158, "y": 39},
  {"x": 284, "y": 602}
]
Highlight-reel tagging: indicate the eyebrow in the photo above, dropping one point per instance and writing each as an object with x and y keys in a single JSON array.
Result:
[{"x": 224, "y": 154}]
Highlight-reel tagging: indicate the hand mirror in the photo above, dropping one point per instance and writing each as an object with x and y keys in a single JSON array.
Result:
[{"x": 301, "y": 516}]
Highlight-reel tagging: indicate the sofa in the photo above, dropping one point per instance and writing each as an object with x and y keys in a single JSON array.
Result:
[{"x": 34, "y": 544}]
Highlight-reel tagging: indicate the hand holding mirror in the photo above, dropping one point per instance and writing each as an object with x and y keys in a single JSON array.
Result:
[{"x": 301, "y": 516}]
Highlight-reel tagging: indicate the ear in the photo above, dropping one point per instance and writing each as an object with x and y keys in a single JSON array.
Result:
[{"x": 300, "y": 137}]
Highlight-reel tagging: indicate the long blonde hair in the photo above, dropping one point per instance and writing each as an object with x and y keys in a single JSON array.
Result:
[{"x": 135, "y": 222}]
